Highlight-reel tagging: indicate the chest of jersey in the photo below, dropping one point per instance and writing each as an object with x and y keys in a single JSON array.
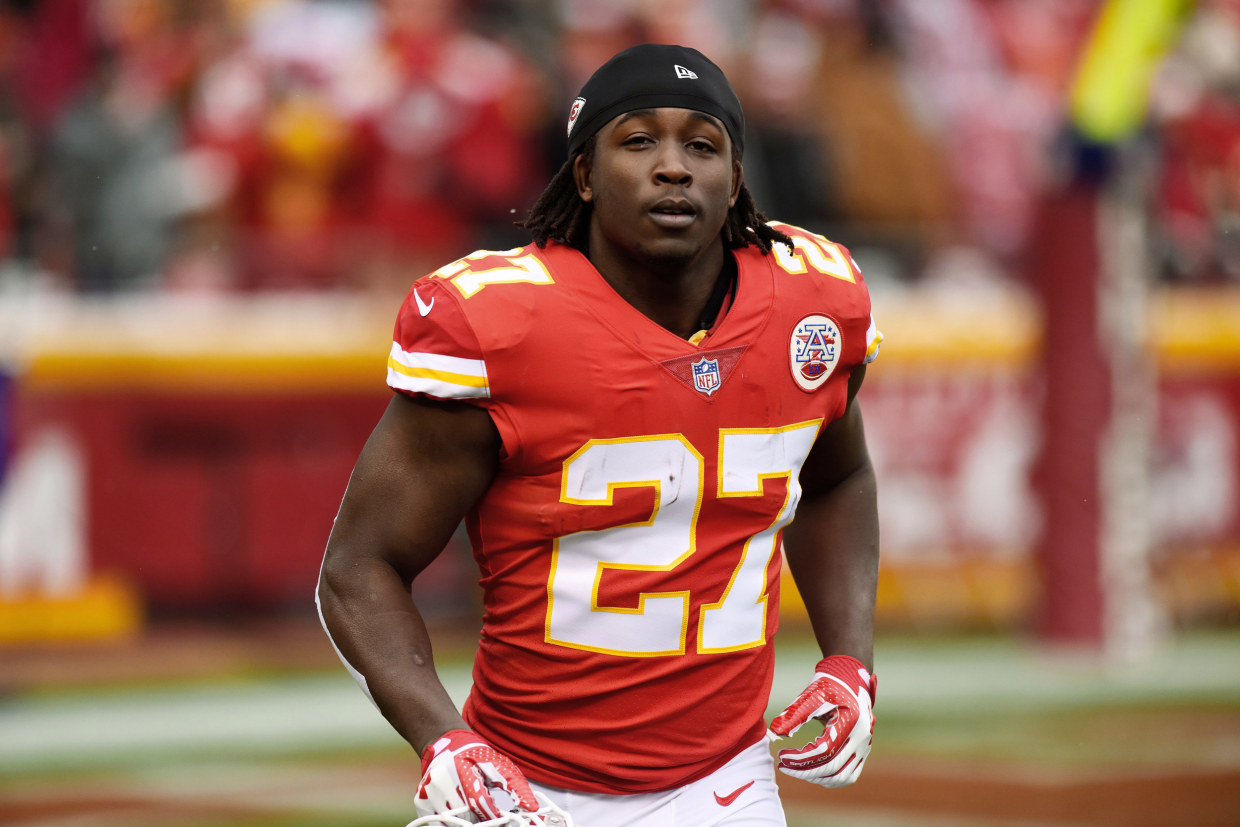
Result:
[{"x": 645, "y": 480}]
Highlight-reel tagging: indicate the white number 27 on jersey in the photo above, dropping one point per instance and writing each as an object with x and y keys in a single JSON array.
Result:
[{"x": 669, "y": 464}]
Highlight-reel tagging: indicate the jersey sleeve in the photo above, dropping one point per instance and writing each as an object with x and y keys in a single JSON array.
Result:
[
  {"x": 435, "y": 352},
  {"x": 873, "y": 336},
  {"x": 839, "y": 276}
]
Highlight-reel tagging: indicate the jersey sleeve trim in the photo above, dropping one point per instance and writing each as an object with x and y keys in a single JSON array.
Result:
[
  {"x": 873, "y": 338},
  {"x": 445, "y": 377}
]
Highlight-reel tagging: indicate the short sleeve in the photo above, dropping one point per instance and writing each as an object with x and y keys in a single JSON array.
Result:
[
  {"x": 434, "y": 350},
  {"x": 873, "y": 338}
]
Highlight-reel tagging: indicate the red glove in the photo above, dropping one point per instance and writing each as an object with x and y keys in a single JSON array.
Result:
[
  {"x": 461, "y": 770},
  {"x": 841, "y": 696}
]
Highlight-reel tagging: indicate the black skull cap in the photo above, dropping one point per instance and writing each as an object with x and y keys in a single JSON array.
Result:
[{"x": 650, "y": 76}]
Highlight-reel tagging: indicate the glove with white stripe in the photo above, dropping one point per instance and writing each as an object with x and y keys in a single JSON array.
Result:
[
  {"x": 841, "y": 696},
  {"x": 461, "y": 770}
]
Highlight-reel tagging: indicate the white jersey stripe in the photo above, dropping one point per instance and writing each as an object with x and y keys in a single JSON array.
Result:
[
  {"x": 446, "y": 377},
  {"x": 873, "y": 338}
]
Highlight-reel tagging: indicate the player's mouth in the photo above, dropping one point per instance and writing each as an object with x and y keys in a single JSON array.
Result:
[{"x": 673, "y": 213}]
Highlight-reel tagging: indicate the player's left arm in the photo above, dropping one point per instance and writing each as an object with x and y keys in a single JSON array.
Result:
[
  {"x": 832, "y": 551},
  {"x": 832, "y": 545}
]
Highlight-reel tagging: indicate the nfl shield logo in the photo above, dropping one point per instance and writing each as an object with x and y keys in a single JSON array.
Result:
[{"x": 706, "y": 375}]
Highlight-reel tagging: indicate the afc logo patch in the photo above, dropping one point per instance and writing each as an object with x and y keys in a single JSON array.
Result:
[
  {"x": 706, "y": 377},
  {"x": 814, "y": 350}
]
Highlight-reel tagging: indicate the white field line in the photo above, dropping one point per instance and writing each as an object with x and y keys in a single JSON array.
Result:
[
  {"x": 327, "y": 712},
  {"x": 989, "y": 677}
]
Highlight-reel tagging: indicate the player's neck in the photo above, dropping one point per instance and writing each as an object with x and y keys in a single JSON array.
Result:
[{"x": 673, "y": 296}]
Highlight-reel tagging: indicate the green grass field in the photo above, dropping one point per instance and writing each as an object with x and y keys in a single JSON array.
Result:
[{"x": 971, "y": 731}]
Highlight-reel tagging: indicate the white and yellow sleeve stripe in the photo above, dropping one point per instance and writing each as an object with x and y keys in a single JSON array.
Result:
[
  {"x": 444, "y": 377},
  {"x": 873, "y": 338}
]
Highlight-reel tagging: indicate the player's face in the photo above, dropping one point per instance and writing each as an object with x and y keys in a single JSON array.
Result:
[{"x": 661, "y": 184}]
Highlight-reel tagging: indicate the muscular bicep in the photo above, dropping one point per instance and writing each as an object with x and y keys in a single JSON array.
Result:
[{"x": 425, "y": 464}]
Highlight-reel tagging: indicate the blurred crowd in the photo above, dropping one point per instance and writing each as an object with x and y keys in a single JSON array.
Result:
[{"x": 246, "y": 145}]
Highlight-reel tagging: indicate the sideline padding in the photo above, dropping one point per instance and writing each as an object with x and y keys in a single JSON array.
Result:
[
  {"x": 1196, "y": 332},
  {"x": 322, "y": 343},
  {"x": 228, "y": 345},
  {"x": 105, "y": 608}
]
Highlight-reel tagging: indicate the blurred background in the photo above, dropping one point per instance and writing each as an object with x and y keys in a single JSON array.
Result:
[{"x": 210, "y": 211}]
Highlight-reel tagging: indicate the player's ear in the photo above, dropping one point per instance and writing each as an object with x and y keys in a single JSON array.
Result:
[
  {"x": 738, "y": 181},
  {"x": 583, "y": 177}
]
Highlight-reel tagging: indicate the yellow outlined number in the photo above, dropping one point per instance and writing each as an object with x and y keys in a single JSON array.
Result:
[
  {"x": 669, "y": 464},
  {"x": 811, "y": 250},
  {"x": 525, "y": 269}
]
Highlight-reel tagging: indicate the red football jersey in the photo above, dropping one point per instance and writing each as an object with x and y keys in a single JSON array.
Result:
[{"x": 629, "y": 545}]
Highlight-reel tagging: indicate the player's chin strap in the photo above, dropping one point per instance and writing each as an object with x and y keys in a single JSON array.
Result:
[{"x": 548, "y": 815}]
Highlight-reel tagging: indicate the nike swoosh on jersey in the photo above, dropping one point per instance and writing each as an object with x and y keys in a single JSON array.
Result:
[
  {"x": 726, "y": 800},
  {"x": 423, "y": 307}
]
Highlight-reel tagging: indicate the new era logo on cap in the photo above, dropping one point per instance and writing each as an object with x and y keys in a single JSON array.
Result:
[{"x": 682, "y": 72}]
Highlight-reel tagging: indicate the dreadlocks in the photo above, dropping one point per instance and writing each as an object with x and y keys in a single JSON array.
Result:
[{"x": 560, "y": 214}]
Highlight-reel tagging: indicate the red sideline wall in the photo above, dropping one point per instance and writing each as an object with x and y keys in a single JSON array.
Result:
[
  {"x": 211, "y": 501},
  {"x": 219, "y": 440}
]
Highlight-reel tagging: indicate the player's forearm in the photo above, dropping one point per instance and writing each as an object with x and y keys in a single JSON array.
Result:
[
  {"x": 378, "y": 631},
  {"x": 832, "y": 552}
]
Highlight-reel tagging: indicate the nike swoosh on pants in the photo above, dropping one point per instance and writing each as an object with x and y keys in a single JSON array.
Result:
[{"x": 726, "y": 800}]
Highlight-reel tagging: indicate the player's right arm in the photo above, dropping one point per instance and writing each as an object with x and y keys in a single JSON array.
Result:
[{"x": 425, "y": 464}]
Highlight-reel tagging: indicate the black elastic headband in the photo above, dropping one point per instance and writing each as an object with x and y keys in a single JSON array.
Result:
[{"x": 649, "y": 76}]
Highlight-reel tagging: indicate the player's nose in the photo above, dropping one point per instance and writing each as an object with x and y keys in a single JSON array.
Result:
[{"x": 671, "y": 165}]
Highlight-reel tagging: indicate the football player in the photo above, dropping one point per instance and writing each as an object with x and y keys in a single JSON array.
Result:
[{"x": 628, "y": 414}]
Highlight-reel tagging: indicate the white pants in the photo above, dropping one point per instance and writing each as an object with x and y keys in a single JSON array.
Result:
[{"x": 741, "y": 793}]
